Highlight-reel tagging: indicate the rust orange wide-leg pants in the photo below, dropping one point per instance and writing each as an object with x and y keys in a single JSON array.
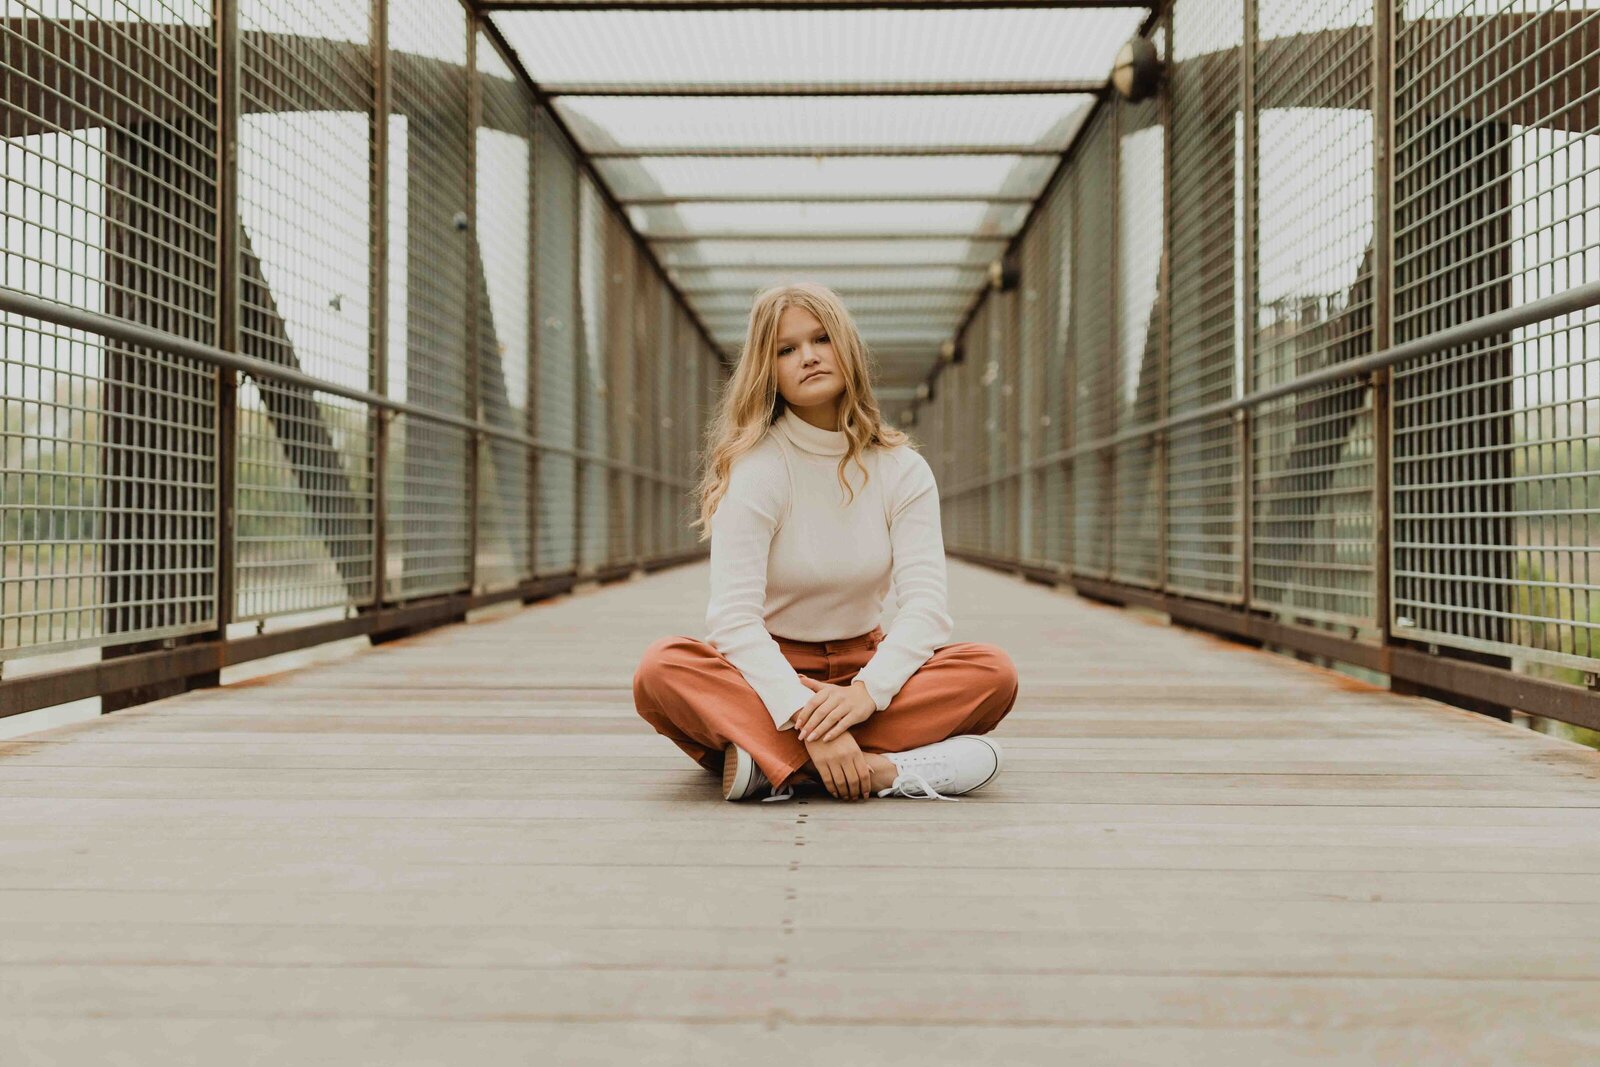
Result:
[{"x": 696, "y": 698}]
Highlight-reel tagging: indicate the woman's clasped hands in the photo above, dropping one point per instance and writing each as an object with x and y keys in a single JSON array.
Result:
[{"x": 824, "y": 724}]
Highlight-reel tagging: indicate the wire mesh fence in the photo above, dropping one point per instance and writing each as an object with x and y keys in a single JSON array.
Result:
[
  {"x": 1310, "y": 186},
  {"x": 468, "y": 374},
  {"x": 366, "y": 207},
  {"x": 110, "y": 191}
]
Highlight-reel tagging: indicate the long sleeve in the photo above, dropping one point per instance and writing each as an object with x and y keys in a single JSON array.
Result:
[
  {"x": 742, "y": 527},
  {"x": 923, "y": 622}
]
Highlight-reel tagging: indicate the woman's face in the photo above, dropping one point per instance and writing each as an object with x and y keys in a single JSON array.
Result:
[{"x": 809, "y": 377}]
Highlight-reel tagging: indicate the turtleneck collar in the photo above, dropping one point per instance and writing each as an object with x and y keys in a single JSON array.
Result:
[{"x": 813, "y": 439}]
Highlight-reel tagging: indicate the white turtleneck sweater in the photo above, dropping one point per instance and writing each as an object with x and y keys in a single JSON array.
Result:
[{"x": 789, "y": 558}]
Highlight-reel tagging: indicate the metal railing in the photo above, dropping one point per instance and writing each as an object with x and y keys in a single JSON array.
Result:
[
  {"x": 1310, "y": 347},
  {"x": 312, "y": 312}
]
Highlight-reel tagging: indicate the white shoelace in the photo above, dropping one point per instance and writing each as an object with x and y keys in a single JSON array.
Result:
[
  {"x": 901, "y": 782},
  {"x": 779, "y": 794}
]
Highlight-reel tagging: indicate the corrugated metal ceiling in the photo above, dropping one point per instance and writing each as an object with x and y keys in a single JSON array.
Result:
[{"x": 889, "y": 151}]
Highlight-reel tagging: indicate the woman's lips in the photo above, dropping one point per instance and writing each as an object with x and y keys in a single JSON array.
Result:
[{"x": 813, "y": 374}]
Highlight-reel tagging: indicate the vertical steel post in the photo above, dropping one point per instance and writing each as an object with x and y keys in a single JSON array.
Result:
[
  {"x": 1108, "y": 455},
  {"x": 580, "y": 378},
  {"x": 1164, "y": 297},
  {"x": 1246, "y": 300},
  {"x": 535, "y": 342},
  {"x": 473, "y": 401},
  {"x": 1383, "y": 78},
  {"x": 994, "y": 493},
  {"x": 226, "y": 18},
  {"x": 1069, "y": 381},
  {"x": 378, "y": 269}
]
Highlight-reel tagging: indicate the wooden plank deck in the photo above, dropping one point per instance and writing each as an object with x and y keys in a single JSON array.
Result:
[{"x": 465, "y": 847}]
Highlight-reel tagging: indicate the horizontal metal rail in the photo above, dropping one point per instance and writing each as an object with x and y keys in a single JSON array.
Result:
[
  {"x": 30, "y": 692},
  {"x": 491, "y": 6},
  {"x": 979, "y": 88},
  {"x": 16, "y": 302},
  {"x": 1578, "y": 298},
  {"x": 826, "y": 198},
  {"x": 1401, "y": 663}
]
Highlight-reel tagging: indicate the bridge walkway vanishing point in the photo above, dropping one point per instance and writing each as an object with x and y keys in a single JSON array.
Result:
[{"x": 465, "y": 847}]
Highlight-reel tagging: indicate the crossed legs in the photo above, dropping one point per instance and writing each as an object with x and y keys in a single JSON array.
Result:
[{"x": 694, "y": 697}]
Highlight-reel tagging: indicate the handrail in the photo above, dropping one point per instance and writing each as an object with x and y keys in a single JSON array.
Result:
[
  {"x": 1577, "y": 298},
  {"x": 20, "y": 303}
]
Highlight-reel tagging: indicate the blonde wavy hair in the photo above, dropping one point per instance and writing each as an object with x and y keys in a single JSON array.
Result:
[{"x": 750, "y": 401}]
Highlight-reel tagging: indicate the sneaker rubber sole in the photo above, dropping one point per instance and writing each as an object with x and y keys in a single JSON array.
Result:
[{"x": 735, "y": 773}]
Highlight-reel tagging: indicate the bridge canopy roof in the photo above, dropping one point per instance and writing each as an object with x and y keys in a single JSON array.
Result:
[{"x": 889, "y": 151}]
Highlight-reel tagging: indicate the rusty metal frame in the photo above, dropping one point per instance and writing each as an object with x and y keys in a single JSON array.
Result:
[
  {"x": 378, "y": 266},
  {"x": 193, "y": 661},
  {"x": 1245, "y": 300},
  {"x": 1382, "y": 312},
  {"x": 228, "y": 233},
  {"x": 1577, "y": 298},
  {"x": 1458, "y": 679},
  {"x": 472, "y": 394},
  {"x": 1164, "y": 302},
  {"x": 47, "y": 689}
]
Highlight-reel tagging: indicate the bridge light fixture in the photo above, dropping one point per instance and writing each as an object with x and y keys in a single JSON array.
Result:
[
  {"x": 1004, "y": 272},
  {"x": 1137, "y": 70}
]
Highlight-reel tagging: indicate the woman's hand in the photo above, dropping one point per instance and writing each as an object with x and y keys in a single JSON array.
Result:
[
  {"x": 842, "y": 766},
  {"x": 832, "y": 710}
]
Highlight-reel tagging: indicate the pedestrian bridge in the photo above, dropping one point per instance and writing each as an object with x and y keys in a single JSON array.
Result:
[
  {"x": 467, "y": 840},
  {"x": 358, "y": 359}
]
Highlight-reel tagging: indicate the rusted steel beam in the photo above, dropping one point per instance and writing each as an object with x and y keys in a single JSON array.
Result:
[{"x": 65, "y": 74}]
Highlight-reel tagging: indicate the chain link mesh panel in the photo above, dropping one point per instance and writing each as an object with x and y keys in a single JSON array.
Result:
[
  {"x": 622, "y": 315},
  {"x": 110, "y": 179},
  {"x": 1093, "y": 341},
  {"x": 107, "y": 521},
  {"x": 428, "y": 529},
  {"x": 972, "y": 414},
  {"x": 1033, "y": 421},
  {"x": 303, "y": 501},
  {"x": 1140, "y": 177},
  {"x": 683, "y": 384},
  {"x": 503, "y": 274},
  {"x": 649, "y": 337},
  {"x": 1203, "y": 460},
  {"x": 1497, "y": 202},
  {"x": 593, "y": 293},
  {"x": 1061, "y": 373},
  {"x": 556, "y": 264},
  {"x": 1313, "y": 522},
  {"x": 1000, "y": 440}
]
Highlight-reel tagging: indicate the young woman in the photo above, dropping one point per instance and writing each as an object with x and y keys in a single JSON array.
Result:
[{"x": 813, "y": 505}]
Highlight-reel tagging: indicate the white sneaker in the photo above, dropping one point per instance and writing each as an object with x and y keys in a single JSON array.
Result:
[
  {"x": 955, "y": 765},
  {"x": 742, "y": 779}
]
